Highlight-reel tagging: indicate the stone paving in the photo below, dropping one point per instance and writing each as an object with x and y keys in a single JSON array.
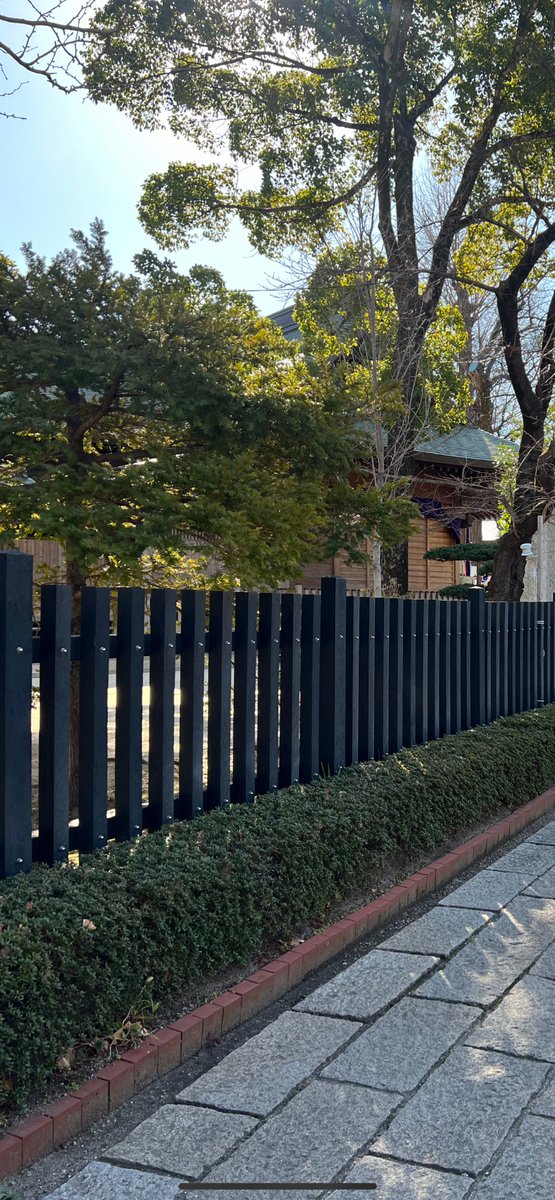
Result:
[{"x": 425, "y": 1069}]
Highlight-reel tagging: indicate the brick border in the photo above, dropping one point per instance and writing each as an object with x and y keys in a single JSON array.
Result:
[{"x": 165, "y": 1049}]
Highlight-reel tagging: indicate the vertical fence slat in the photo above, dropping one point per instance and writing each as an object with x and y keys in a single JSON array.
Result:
[
  {"x": 219, "y": 699},
  {"x": 511, "y": 658},
  {"x": 444, "y": 667},
  {"x": 547, "y": 631},
  {"x": 409, "y": 671},
  {"x": 494, "y": 637},
  {"x": 129, "y": 713},
  {"x": 332, "y": 674},
  {"x": 503, "y": 658},
  {"x": 381, "y": 677},
  {"x": 466, "y": 673},
  {"x": 55, "y": 708},
  {"x": 309, "y": 765},
  {"x": 421, "y": 609},
  {"x": 551, "y": 664},
  {"x": 190, "y": 799},
  {"x": 161, "y": 709},
  {"x": 520, "y": 683},
  {"x": 268, "y": 692},
  {"x": 366, "y": 679},
  {"x": 16, "y": 623},
  {"x": 290, "y": 689},
  {"x": 244, "y": 697},
  {"x": 395, "y": 698},
  {"x": 535, "y": 647},
  {"x": 433, "y": 668},
  {"x": 94, "y": 665},
  {"x": 352, "y": 680},
  {"x": 455, "y": 659},
  {"x": 478, "y": 655}
]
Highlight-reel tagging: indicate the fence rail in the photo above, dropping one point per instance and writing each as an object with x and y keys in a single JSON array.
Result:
[{"x": 271, "y": 689}]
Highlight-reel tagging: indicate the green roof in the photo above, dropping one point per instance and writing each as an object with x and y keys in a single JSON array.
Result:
[{"x": 465, "y": 444}]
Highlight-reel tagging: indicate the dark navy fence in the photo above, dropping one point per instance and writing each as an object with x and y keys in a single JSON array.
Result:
[{"x": 273, "y": 689}]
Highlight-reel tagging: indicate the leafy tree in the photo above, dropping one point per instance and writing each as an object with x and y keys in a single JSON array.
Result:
[
  {"x": 157, "y": 411},
  {"x": 324, "y": 98}
]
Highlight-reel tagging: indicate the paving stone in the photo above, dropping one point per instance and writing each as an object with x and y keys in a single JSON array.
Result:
[
  {"x": 100, "y": 1181},
  {"x": 497, "y": 956},
  {"x": 317, "y": 1134},
  {"x": 488, "y": 890},
  {"x": 399, "y": 1181},
  {"x": 526, "y": 1169},
  {"x": 545, "y": 836},
  {"x": 545, "y": 1102},
  {"x": 262, "y": 1072},
  {"x": 439, "y": 931},
  {"x": 462, "y": 1113},
  {"x": 369, "y": 985},
  {"x": 543, "y": 886},
  {"x": 524, "y": 1022},
  {"x": 379, "y": 1058},
  {"x": 529, "y": 857},
  {"x": 545, "y": 966},
  {"x": 182, "y": 1140}
]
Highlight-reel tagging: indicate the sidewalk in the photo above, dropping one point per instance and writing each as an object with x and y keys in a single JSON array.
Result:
[{"x": 426, "y": 1068}]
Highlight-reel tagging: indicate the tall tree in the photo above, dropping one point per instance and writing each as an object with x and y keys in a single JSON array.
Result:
[
  {"x": 46, "y": 41},
  {"x": 324, "y": 97}
]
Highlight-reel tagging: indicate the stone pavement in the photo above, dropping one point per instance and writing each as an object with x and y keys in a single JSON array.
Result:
[{"x": 424, "y": 1071}]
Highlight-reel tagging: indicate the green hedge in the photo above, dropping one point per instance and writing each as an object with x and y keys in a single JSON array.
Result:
[{"x": 184, "y": 903}]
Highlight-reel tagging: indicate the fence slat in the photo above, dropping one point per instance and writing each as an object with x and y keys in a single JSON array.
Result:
[
  {"x": 433, "y": 668},
  {"x": 219, "y": 699},
  {"x": 161, "y": 708},
  {"x": 290, "y": 690},
  {"x": 455, "y": 659},
  {"x": 309, "y": 764},
  {"x": 444, "y": 668},
  {"x": 478, "y": 655},
  {"x": 16, "y": 622},
  {"x": 366, "y": 679},
  {"x": 129, "y": 713},
  {"x": 94, "y": 667},
  {"x": 352, "y": 680},
  {"x": 395, "y": 697},
  {"x": 466, "y": 673},
  {"x": 190, "y": 798},
  {"x": 332, "y": 674},
  {"x": 381, "y": 678},
  {"x": 268, "y": 692},
  {"x": 503, "y": 658},
  {"x": 55, "y": 708},
  {"x": 493, "y": 634},
  {"x": 421, "y": 608},
  {"x": 409, "y": 671},
  {"x": 244, "y": 697},
  {"x": 520, "y": 616},
  {"x": 547, "y": 634}
]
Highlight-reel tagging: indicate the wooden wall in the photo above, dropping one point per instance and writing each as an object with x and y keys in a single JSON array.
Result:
[{"x": 425, "y": 575}]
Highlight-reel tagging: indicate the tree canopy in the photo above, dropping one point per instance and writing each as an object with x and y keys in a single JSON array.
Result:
[{"x": 158, "y": 411}]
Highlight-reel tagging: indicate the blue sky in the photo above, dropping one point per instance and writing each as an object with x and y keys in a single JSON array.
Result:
[{"x": 70, "y": 161}]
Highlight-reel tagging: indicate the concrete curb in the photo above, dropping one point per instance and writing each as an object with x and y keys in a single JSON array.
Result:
[{"x": 166, "y": 1049}]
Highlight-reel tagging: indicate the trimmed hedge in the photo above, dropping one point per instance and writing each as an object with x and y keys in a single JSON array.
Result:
[{"x": 188, "y": 901}]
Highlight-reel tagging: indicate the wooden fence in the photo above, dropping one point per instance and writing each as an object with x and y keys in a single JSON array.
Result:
[{"x": 272, "y": 689}]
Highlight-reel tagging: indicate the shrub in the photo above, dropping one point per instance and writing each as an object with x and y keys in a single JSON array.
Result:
[{"x": 78, "y": 943}]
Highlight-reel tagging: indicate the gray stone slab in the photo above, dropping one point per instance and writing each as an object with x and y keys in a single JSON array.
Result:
[
  {"x": 545, "y": 836},
  {"x": 524, "y": 1022},
  {"x": 544, "y": 1104},
  {"x": 403, "y": 1045},
  {"x": 316, "y": 1135},
  {"x": 440, "y": 931},
  {"x": 369, "y": 985},
  {"x": 544, "y": 885},
  {"x": 182, "y": 1140},
  {"x": 100, "y": 1181},
  {"x": 545, "y": 966},
  {"x": 497, "y": 956},
  {"x": 262, "y": 1072},
  {"x": 526, "y": 1169},
  {"x": 530, "y": 858},
  {"x": 399, "y": 1181},
  {"x": 462, "y": 1113},
  {"x": 488, "y": 890}
]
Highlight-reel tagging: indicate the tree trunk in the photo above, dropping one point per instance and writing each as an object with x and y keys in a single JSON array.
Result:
[
  {"x": 377, "y": 568},
  {"x": 507, "y": 580},
  {"x": 395, "y": 566}
]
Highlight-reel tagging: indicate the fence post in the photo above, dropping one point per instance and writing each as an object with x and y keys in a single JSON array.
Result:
[
  {"x": 16, "y": 625},
  {"x": 478, "y": 655},
  {"x": 94, "y": 666},
  {"x": 219, "y": 699},
  {"x": 366, "y": 678},
  {"x": 189, "y": 802},
  {"x": 289, "y": 712},
  {"x": 421, "y": 608},
  {"x": 352, "y": 681},
  {"x": 55, "y": 716},
  {"x": 310, "y": 689},
  {"x": 244, "y": 697},
  {"x": 332, "y": 674},
  {"x": 268, "y": 691}
]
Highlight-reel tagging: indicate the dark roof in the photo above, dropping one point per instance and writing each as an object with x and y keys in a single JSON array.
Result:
[
  {"x": 288, "y": 326},
  {"x": 465, "y": 444}
]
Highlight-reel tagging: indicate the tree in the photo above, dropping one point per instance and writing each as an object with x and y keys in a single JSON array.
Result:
[
  {"x": 157, "y": 410},
  {"x": 324, "y": 98},
  {"x": 47, "y": 42}
]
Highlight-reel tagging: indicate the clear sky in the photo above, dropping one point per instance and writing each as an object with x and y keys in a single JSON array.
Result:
[{"x": 69, "y": 161}]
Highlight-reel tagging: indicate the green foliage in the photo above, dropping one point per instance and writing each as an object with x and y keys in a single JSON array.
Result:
[
  {"x": 156, "y": 412},
  {"x": 78, "y": 944},
  {"x": 456, "y": 591},
  {"x": 482, "y": 552}
]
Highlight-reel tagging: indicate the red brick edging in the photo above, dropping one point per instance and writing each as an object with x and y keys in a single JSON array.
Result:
[{"x": 35, "y": 1137}]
